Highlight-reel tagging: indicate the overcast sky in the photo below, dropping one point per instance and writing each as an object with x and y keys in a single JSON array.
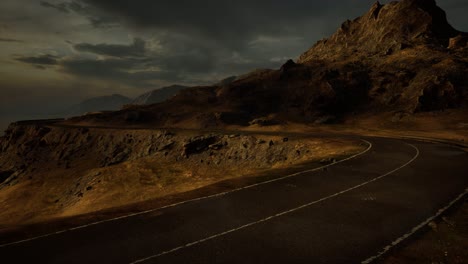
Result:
[{"x": 55, "y": 53}]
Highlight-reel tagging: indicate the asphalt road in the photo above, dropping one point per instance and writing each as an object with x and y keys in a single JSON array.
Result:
[{"x": 345, "y": 213}]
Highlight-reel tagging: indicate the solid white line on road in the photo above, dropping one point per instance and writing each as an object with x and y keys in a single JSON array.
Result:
[
  {"x": 191, "y": 200},
  {"x": 279, "y": 214},
  {"x": 414, "y": 230}
]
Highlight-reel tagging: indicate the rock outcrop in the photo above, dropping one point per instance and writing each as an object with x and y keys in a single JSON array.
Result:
[
  {"x": 386, "y": 29},
  {"x": 458, "y": 42}
]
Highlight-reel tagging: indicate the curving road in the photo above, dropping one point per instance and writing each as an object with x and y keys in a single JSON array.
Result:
[{"x": 348, "y": 212}]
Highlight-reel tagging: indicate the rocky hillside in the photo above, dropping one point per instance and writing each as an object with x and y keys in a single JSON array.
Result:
[
  {"x": 388, "y": 29},
  {"x": 402, "y": 58},
  {"x": 48, "y": 171}
]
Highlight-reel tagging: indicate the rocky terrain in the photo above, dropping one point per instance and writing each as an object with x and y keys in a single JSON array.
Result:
[
  {"x": 400, "y": 58},
  {"x": 48, "y": 171}
]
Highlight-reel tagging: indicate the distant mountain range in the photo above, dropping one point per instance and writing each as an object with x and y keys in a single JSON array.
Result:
[
  {"x": 101, "y": 103},
  {"x": 116, "y": 101},
  {"x": 106, "y": 103},
  {"x": 158, "y": 95}
]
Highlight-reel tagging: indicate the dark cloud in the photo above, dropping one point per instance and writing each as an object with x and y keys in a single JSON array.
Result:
[
  {"x": 105, "y": 69},
  {"x": 127, "y": 70},
  {"x": 137, "y": 48},
  {"x": 177, "y": 61},
  {"x": 207, "y": 37},
  {"x": 178, "y": 58},
  {"x": 200, "y": 61},
  {"x": 186, "y": 56},
  {"x": 216, "y": 38},
  {"x": 40, "y": 61},
  {"x": 170, "y": 68},
  {"x": 62, "y": 7},
  {"x": 231, "y": 23},
  {"x": 9, "y": 40},
  {"x": 201, "y": 36},
  {"x": 97, "y": 18}
]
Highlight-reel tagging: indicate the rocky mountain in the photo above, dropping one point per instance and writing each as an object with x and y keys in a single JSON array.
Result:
[
  {"x": 101, "y": 103},
  {"x": 402, "y": 57},
  {"x": 387, "y": 29},
  {"x": 158, "y": 95}
]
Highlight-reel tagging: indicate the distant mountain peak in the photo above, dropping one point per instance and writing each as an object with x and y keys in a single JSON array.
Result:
[{"x": 158, "y": 95}]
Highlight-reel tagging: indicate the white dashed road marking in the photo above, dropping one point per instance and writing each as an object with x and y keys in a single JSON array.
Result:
[{"x": 414, "y": 230}]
